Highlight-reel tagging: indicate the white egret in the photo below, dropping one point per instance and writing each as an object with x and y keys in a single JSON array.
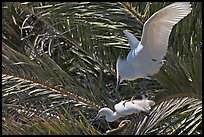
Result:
[
  {"x": 124, "y": 108},
  {"x": 145, "y": 56}
]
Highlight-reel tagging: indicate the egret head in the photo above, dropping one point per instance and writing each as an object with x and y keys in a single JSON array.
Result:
[
  {"x": 101, "y": 112},
  {"x": 107, "y": 112}
]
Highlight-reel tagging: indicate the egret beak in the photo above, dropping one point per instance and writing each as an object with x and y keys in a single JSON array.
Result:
[
  {"x": 117, "y": 84},
  {"x": 97, "y": 116}
]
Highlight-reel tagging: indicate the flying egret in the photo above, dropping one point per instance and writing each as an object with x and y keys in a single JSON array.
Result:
[
  {"x": 145, "y": 56},
  {"x": 124, "y": 108}
]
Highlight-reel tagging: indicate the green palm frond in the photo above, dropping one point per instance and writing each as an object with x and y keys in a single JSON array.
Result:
[
  {"x": 48, "y": 125},
  {"x": 175, "y": 116}
]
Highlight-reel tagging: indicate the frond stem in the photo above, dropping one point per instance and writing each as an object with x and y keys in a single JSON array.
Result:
[
  {"x": 54, "y": 88},
  {"x": 129, "y": 8}
]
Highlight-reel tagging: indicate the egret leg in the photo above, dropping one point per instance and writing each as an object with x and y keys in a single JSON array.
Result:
[
  {"x": 142, "y": 86},
  {"x": 117, "y": 91},
  {"x": 118, "y": 94}
]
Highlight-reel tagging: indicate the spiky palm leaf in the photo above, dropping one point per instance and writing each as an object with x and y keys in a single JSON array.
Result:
[{"x": 59, "y": 59}]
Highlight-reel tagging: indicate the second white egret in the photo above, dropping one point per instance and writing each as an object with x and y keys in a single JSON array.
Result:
[{"x": 125, "y": 108}]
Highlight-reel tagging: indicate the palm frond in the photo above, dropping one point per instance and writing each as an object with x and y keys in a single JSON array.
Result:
[
  {"x": 48, "y": 125},
  {"x": 175, "y": 116}
]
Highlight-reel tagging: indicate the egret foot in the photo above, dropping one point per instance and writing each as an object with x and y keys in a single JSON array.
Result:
[
  {"x": 130, "y": 100},
  {"x": 133, "y": 97},
  {"x": 120, "y": 127},
  {"x": 123, "y": 123},
  {"x": 125, "y": 102}
]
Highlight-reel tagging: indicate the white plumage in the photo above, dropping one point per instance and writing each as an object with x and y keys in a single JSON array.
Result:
[
  {"x": 145, "y": 56},
  {"x": 125, "y": 108}
]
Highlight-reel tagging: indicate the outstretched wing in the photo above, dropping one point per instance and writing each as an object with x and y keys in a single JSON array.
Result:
[
  {"x": 158, "y": 27},
  {"x": 132, "y": 40}
]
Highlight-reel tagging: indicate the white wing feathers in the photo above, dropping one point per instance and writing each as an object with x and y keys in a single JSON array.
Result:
[
  {"x": 158, "y": 27},
  {"x": 132, "y": 40},
  {"x": 134, "y": 52},
  {"x": 145, "y": 57},
  {"x": 127, "y": 108},
  {"x": 135, "y": 45}
]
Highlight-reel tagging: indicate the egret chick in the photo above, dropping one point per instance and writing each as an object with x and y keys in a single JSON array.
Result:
[{"x": 145, "y": 56}]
